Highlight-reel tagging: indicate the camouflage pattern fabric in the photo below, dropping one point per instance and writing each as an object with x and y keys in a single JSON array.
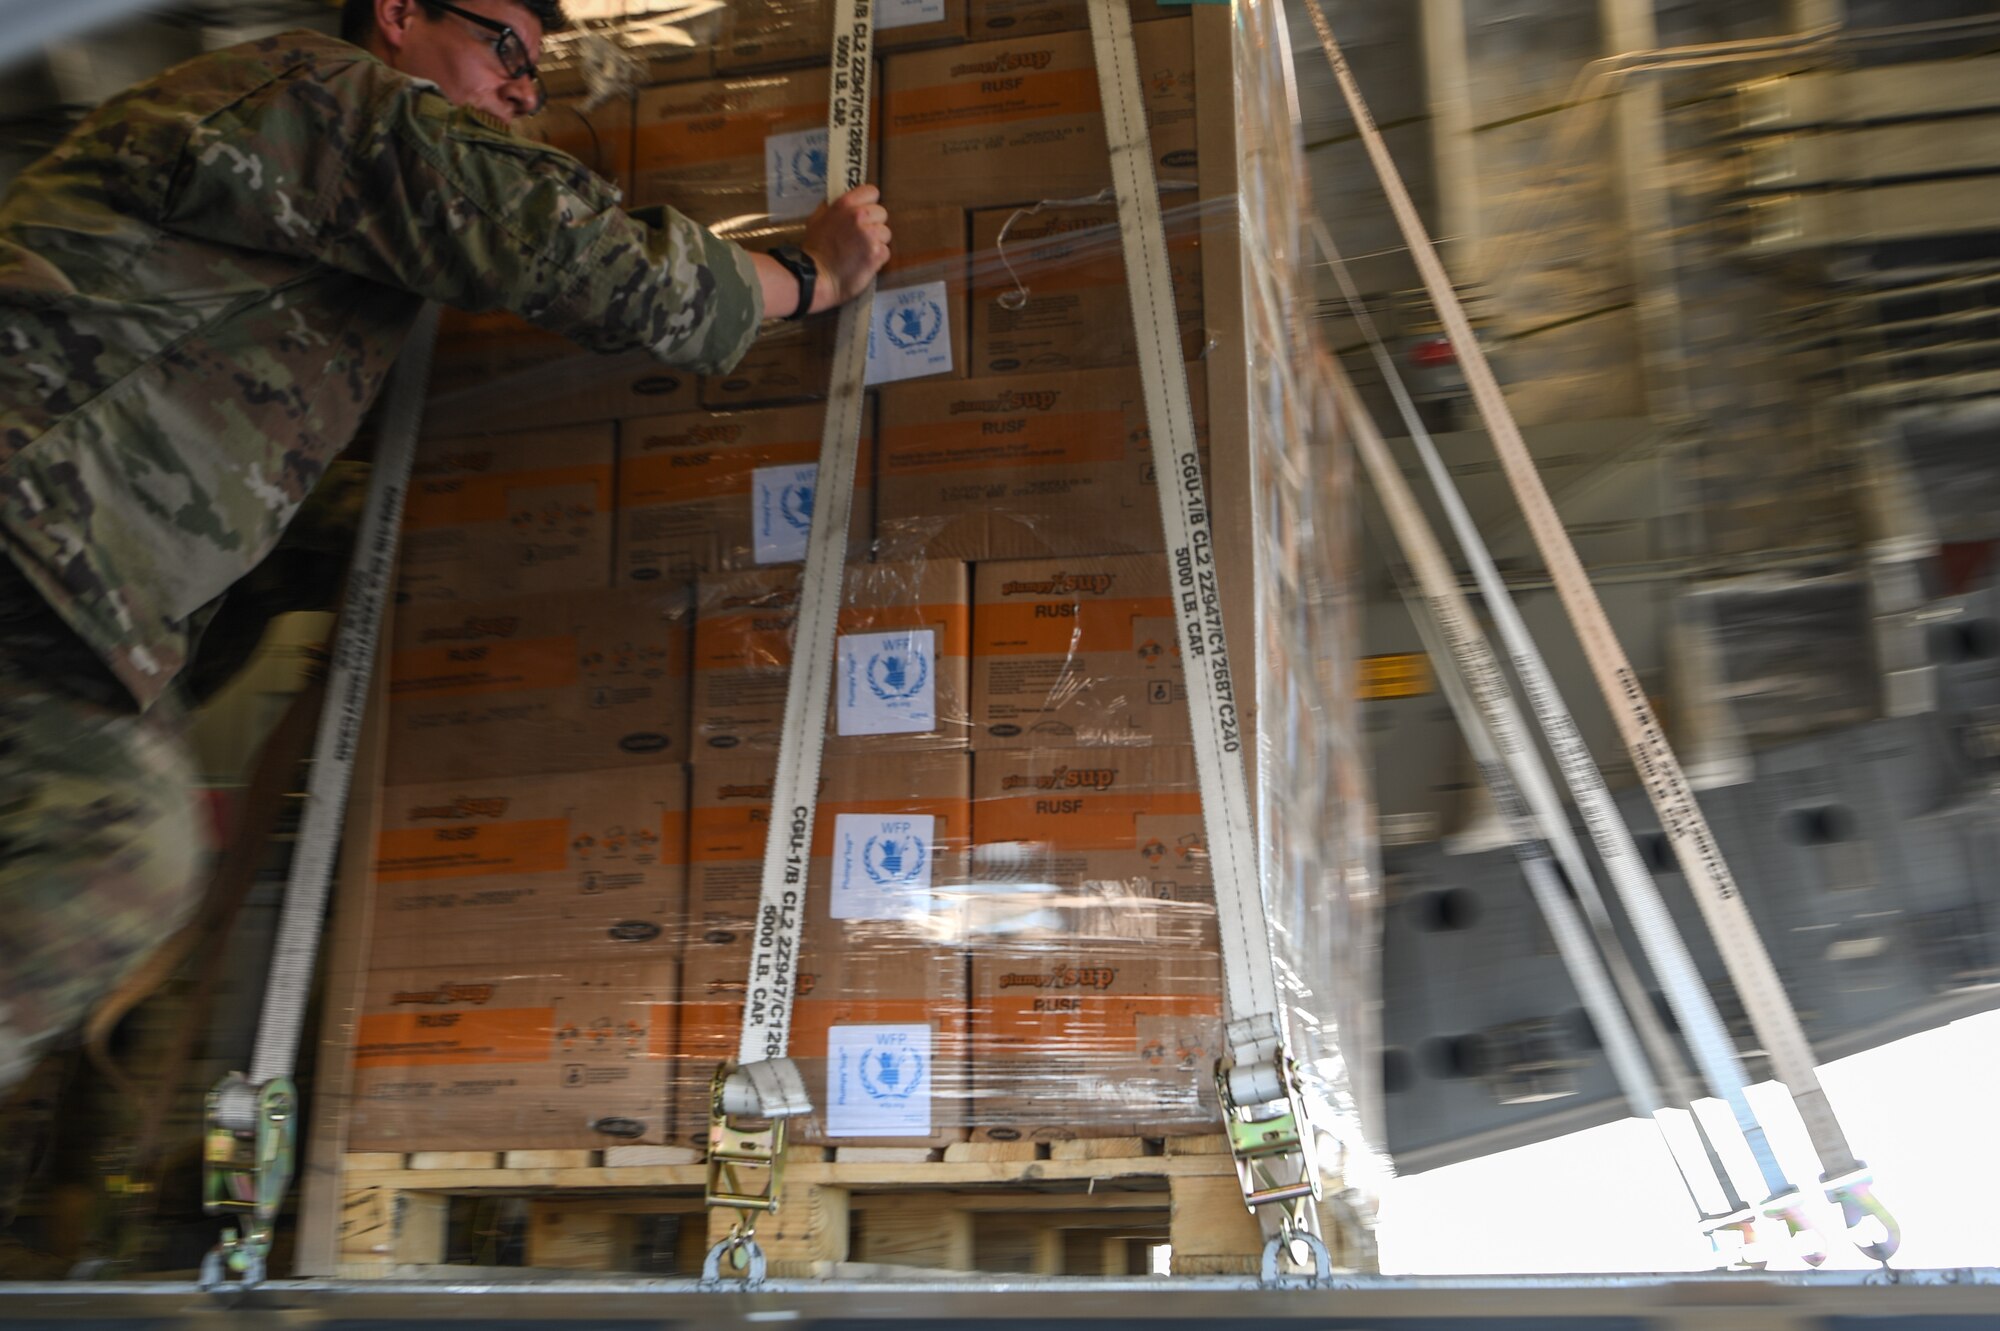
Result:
[
  {"x": 202, "y": 289},
  {"x": 101, "y": 841}
]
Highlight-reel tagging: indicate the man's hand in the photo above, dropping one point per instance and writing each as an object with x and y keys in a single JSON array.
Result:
[{"x": 849, "y": 240}]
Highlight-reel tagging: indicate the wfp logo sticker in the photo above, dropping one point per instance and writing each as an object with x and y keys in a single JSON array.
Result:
[
  {"x": 893, "y": 859},
  {"x": 913, "y": 324},
  {"x": 795, "y": 506},
  {"x": 808, "y": 166},
  {"x": 794, "y": 173},
  {"x": 878, "y": 1081},
  {"x": 781, "y": 511},
  {"x": 882, "y": 865},
  {"x": 911, "y": 334},
  {"x": 897, "y": 674},
  {"x": 888, "y": 682},
  {"x": 891, "y": 1074}
]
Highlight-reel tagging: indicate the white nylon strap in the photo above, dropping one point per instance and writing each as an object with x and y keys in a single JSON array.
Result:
[
  {"x": 1476, "y": 689},
  {"x": 770, "y": 1089},
  {"x": 774, "y": 956},
  {"x": 1250, "y": 979},
  {"x": 1707, "y": 1038},
  {"x": 1715, "y": 890},
  {"x": 363, "y": 604}
]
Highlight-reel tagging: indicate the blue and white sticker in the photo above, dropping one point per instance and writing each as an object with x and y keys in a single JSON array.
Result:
[
  {"x": 781, "y": 511},
  {"x": 794, "y": 173},
  {"x": 882, "y": 865},
  {"x": 911, "y": 335},
  {"x": 888, "y": 682},
  {"x": 908, "y": 13},
  {"x": 878, "y": 1081}
]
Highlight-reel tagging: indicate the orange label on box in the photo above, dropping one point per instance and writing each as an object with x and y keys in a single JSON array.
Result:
[
  {"x": 484, "y": 667},
  {"x": 453, "y": 501},
  {"x": 730, "y": 832},
  {"x": 1074, "y": 819},
  {"x": 462, "y": 850},
  {"x": 993, "y": 101},
  {"x": 1035, "y": 628},
  {"x": 1067, "y": 1019},
  {"x": 455, "y": 1035},
  {"x": 1074, "y": 438},
  {"x": 694, "y": 473}
]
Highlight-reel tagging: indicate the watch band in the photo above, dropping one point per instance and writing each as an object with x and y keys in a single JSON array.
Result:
[{"x": 800, "y": 265}]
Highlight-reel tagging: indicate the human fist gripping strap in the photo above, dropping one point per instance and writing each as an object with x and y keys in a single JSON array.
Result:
[{"x": 764, "y": 1083}]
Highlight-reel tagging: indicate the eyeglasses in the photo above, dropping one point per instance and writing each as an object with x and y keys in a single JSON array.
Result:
[{"x": 508, "y": 48}]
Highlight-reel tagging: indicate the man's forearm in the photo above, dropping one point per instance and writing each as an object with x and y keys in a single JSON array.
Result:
[{"x": 781, "y": 289}]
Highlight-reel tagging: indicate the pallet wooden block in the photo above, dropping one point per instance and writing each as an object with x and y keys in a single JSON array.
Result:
[{"x": 1083, "y": 1212}]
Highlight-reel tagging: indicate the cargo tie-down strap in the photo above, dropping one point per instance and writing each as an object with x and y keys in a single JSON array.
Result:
[
  {"x": 1258, "y": 1085},
  {"x": 1846, "y": 1181},
  {"x": 1263, "y": 1108},
  {"x": 252, "y": 1127},
  {"x": 751, "y": 1099},
  {"x": 1501, "y": 748}
]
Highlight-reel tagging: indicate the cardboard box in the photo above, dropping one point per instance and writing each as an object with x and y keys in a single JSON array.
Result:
[
  {"x": 919, "y": 331},
  {"x": 1076, "y": 652},
  {"x": 555, "y": 1055},
  {"x": 536, "y": 684},
  {"x": 1015, "y": 121},
  {"x": 497, "y": 371},
  {"x": 502, "y": 869},
  {"x": 1096, "y": 984},
  {"x": 891, "y": 834},
  {"x": 765, "y": 34},
  {"x": 901, "y": 671},
  {"x": 1049, "y": 293},
  {"x": 508, "y": 514},
  {"x": 1025, "y": 18},
  {"x": 739, "y": 148},
  {"x": 1018, "y": 467},
  {"x": 704, "y": 493},
  {"x": 880, "y": 970},
  {"x": 879, "y": 1036},
  {"x": 599, "y": 136},
  {"x": 664, "y": 62}
]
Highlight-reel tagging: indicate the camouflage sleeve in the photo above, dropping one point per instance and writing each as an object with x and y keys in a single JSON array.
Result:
[{"x": 376, "y": 174}]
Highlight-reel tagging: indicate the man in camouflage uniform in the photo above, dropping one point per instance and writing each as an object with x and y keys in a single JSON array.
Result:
[{"x": 201, "y": 291}]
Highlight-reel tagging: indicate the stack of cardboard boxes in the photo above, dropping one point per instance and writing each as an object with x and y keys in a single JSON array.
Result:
[{"x": 1009, "y": 930}]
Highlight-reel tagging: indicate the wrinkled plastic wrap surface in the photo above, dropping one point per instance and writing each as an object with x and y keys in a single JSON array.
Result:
[{"x": 1010, "y": 930}]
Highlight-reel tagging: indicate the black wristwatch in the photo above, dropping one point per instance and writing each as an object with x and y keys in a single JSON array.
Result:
[{"x": 800, "y": 265}]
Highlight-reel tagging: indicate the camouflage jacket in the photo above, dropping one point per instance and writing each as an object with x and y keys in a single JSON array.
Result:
[{"x": 202, "y": 289}]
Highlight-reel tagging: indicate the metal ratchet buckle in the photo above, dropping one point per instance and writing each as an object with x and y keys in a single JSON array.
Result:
[
  {"x": 1734, "y": 1239},
  {"x": 735, "y": 1151},
  {"x": 1800, "y": 1230},
  {"x": 247, "y": 1170},
  {"x": 1260, "y": 1144},
  {"x": 1855, "y": 1194}
]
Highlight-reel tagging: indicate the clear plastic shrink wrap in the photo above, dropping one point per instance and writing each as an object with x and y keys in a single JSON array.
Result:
[{"x": 1010, "y": 930}]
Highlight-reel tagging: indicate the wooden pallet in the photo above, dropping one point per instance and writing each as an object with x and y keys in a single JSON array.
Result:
[{"x": 1071, "y": 1208}]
